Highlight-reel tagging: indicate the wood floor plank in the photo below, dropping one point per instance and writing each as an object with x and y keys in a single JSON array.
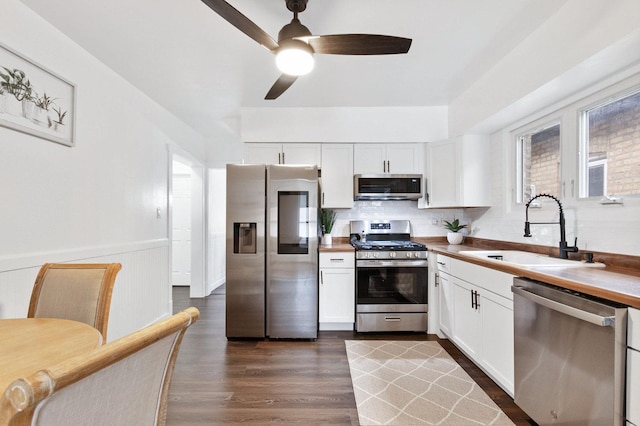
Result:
[{"x": 220, "y": 382}]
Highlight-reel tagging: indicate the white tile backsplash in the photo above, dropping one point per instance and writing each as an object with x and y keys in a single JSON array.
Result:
[{"x": 424, "y": 222}]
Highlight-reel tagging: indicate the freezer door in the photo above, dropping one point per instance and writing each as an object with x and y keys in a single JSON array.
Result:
[
  {"x": 292, "y": 252},
  {"x": 245, "y": 242}
]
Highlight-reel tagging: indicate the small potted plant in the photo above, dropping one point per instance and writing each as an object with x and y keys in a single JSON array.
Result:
[
  {"x": 454, "y": 236},
  {"x": 16, "y": 89},
  {"x": 327, "y": 219}
]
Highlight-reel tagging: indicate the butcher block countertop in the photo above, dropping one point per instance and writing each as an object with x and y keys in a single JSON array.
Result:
[
  {"x": 611, "y": 283},
  {"x": 339, "y": 244},
  {"x": 619, "y": 281}
]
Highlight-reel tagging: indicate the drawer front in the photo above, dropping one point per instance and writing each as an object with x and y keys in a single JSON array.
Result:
[
  {"x": 633, "y": 329},
  {"x": 497, "y": 282},
  {"x": 392, "y": 322},
  {"x": 337, "y": 260},
  {"x": 444, "y": 263}
]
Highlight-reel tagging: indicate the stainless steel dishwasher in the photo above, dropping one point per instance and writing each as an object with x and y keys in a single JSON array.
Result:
[{"x": 569, "y": 355}]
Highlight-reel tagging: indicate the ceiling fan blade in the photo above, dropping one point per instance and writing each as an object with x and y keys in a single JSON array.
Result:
[
  {"x": 359, "y": 44},
  {"x": 241, "y": 22},
  {"x": 283, "y": 83}
]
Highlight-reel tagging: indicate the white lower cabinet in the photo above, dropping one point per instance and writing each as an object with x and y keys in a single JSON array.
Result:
[
  {"x": 445, "y": 302},
  {"x": 476, "y": 313},
  {"x": 633, "y": 368},
  {"x": 466, "y": 317},
  {"x": 337, "y": 291}
]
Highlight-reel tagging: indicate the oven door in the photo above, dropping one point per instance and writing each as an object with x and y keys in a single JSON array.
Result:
[{"x": 391, "y": 285}]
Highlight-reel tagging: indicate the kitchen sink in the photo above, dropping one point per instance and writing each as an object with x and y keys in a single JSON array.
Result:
[{"x": 526, "y": 259}]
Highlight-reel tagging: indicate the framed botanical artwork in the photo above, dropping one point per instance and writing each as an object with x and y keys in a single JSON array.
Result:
[{"x": 35, "y": 100}]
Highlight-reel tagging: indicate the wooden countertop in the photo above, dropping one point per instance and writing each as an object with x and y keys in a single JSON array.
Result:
[
  {"x": 335, "y": 247},
  {"x": 339, "y": 244},
  {"x": 608, "y": 283},
  {"x": 611, "y": 283}
]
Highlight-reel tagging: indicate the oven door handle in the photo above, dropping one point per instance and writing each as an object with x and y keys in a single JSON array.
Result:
[
  {"x": 564, "y": 309},
  {"x": 393, "y": 263}
]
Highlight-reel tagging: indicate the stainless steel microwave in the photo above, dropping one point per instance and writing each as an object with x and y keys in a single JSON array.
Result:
[{"x": 387, "y": 187}]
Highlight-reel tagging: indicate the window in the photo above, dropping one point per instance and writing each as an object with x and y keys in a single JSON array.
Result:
[
  {"x": 610, "y": 148},
  {"x": 538, "y": 163}
]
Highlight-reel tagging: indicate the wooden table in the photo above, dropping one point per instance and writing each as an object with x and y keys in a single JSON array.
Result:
[{"x": 31, "y": 344}]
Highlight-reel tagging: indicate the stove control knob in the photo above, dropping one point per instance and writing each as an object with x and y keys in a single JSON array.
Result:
[
  {"x": 392, "y": 254},
  {"x": 409, "y": 254}
]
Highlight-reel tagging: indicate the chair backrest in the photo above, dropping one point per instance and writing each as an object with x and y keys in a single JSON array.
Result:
[
  {"x": 124, "y": 382},
  {"x": 80, "y": 292}
]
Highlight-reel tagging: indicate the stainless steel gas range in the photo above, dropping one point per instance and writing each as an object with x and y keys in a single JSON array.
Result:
[{"x": 391, "y": 277}]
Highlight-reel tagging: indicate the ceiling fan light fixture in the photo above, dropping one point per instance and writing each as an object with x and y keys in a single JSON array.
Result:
[{"x": 295, "y": 57}]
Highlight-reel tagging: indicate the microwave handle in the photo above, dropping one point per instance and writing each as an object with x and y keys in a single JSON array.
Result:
[{"x": 426, "y": 192}]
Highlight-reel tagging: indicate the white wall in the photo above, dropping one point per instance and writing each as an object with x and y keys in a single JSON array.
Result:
[
  {"x": 374, "y": 124},
  {"x": 584, "y": 42},
  {"x": 96, "y": 201},
  {"x": 216, "y": 243}
]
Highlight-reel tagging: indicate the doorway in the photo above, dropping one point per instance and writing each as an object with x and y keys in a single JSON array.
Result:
[{"x": 187, "y": 224}]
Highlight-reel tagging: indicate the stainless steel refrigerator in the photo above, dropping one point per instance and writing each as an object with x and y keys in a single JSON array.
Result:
[{"x": 272, "y": 251}]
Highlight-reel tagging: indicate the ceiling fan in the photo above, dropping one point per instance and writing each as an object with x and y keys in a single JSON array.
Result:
[{"x": 296, "y": 45}]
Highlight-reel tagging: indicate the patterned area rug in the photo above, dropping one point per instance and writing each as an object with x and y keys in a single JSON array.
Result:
[{"x": 415, "y": 383}]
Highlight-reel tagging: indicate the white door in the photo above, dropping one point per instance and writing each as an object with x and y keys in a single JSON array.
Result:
[{"x": 181, "y": 226}]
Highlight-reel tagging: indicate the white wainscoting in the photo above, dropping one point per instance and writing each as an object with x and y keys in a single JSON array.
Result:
[{"x": 142, "y": 292}]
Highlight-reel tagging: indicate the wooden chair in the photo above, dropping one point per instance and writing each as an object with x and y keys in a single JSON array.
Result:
[
  {"x": 80, "y": 292},
  {"x": 124, "y": 382}
]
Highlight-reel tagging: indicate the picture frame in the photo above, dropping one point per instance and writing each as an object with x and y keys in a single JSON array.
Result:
[{"x": 35, "y": 100}]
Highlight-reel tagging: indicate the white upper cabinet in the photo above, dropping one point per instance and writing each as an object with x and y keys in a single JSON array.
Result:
[
  {"x": 458, "y": 173},
  {"x": 282, "y": 153},
  {"x": 337, "y": 176},
  {"x": 397, "y": 158}
]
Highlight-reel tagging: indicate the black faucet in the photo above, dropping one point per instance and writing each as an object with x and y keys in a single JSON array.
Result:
[{"x": 564, "y": 248}]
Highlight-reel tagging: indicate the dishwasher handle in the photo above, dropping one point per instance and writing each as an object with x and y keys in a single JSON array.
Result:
[{"x": 565, "y": 309}]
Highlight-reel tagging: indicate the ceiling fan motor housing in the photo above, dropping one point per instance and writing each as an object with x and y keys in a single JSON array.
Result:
[
  {"x": 296, "y": 5},
  {"x": 293, "y": 29}
]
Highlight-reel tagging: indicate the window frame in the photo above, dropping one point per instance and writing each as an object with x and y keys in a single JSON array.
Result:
[
  {"x": 603, "y": 98},
  {"x": 572, "y": 154},
  {"x": 516, "y": 137}
]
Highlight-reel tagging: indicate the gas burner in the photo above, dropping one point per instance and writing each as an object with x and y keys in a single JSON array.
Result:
[{"x": 388, "y": 245}]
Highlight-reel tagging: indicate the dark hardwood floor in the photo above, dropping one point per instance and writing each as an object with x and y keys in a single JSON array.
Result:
[{"x": 220, "y": 382}]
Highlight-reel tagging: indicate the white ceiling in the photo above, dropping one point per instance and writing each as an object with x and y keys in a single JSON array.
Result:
[{"x": 203, "y": 70}]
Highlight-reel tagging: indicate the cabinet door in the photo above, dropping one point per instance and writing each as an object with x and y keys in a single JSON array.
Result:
[
  {"x": 404, "y": 158},
  {"x": 301, "y": 153},
  {"x": 445, "y": 300},
  {"x": 337, "y": 295},
  {"x": 337, "y": 176},
  {"x": 369, "y": 158},
  {"x": 262, "y": 153},
  {"x": 466, "y": 317},
  {"x": 442, "y": 179},
  {"x": 497, "y": 352},
  {"x": 633, "y": 386}
]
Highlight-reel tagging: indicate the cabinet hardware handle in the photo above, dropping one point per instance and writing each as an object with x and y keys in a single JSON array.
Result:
[
  {"x": 442, "y": 263},
  {"x": 321, "y": 278},
  {"x": 283, "y": 158},
  {"x": 323, "y": 199},
  {"x": 394, "y": 319},
  {"x": 472, "y": 305},
  {"x": 572, "y": 187},
  {"x": 336, "y": 260},
  {"x": 437, "y": 280}
]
